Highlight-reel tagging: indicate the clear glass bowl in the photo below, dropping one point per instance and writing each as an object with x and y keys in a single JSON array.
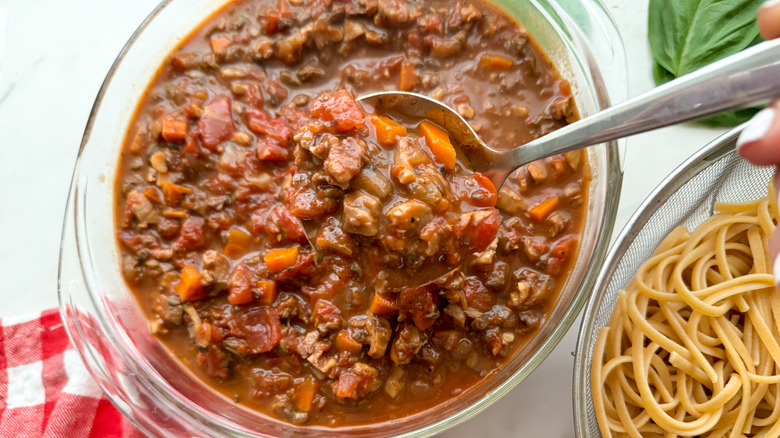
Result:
[
  {"x": 110, "y": 332},
  {"x": 686, "y": 197}
]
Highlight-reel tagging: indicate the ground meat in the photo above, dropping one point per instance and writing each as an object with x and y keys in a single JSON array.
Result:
[
  {"x": 216, "y": 268},
  {"x": 361, "y": 214},
  {"x": 407, "y": 342},
  {"x": 345, "y": 159},
  {"x": 393, "y": 12}
]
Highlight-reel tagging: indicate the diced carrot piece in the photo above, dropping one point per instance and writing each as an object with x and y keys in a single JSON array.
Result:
[
  {"x": 174, "y": 130},
  {"x": 238, "y": 243},
  {"x": 305, "y": 393},
  {"x": 387, "y": 130},
  {"x": 344, "y": 342},
  {"x": 175, "y": 213},
  {"x": 278, "y": 260},
  {"x": 439, "y": 143},
  {"x": 267, "y": 291},
  {"x": 153, "y": 195},
  {"x": 543, "y": 209},
  {"x": 219, "y": 43},
  {"x": 382, "y": 305},
  {"x": 496, "y": 62},
  {"x": 485, "y": 195},
  {"x": 173, "y": 192},
  {"x": 189, "y": 286},
  {"x": 408, "y": 77}
]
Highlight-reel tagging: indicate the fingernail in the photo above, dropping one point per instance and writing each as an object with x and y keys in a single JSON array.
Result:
[
  {"x": 770, "y": 3},
  {"x": 758, "y": 125},
  {"x": 776, "y": 271}
]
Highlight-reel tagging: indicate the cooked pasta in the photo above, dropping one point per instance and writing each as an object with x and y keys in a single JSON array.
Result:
[{"x": 693, "y": 345}]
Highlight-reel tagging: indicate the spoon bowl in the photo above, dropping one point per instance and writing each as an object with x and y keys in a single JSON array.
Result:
[{"x": 741, "y": 80}]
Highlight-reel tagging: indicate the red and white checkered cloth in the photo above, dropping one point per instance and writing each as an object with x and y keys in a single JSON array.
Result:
[{"x": 45, "y": 390}]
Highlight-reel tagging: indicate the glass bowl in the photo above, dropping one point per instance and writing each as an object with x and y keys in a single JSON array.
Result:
[
  {"x": 686, "y": 197},
  {"x": 109, "y": 330}
]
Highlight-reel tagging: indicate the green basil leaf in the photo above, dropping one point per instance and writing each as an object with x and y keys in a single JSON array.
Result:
[
  {"x": 688, "y": 34},
  {"x": 733, "y": 118},
  {"x": 660, "y": 74}
]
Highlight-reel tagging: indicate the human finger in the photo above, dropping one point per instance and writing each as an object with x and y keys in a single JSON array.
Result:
[
  {"x": 759, "y": 142},
  {"x": 774, "y": 242},
  {"x": 769, "y": 19}
]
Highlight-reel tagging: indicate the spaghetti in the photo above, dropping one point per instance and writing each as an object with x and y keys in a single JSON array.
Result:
[{"x": 691, "y": 348}]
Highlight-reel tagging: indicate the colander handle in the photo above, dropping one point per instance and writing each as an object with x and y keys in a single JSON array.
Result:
[{"x": 742, "y": 80}]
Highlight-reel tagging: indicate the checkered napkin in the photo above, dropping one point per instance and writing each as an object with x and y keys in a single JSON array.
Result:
[{"x": 45, "y": 390}]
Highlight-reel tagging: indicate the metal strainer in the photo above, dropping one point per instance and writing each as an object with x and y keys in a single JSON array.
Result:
[{"x": 686, "y": 197}]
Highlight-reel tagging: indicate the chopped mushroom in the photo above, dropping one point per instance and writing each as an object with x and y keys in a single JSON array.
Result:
[
  {"x": 379, "y": 332},
  {"x": 142, "y": 208},
  {"x": 409, "y": 216}
]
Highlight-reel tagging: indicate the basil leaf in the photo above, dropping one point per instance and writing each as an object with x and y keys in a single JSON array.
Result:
[
  {"x": 733, "y": 118},
  {"x": 686, "y": 35},
  {"x": 660, "y": 74}
]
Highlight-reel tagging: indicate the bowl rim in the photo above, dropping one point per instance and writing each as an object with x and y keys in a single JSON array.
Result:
[
  {"x": 613, "y": 179},
  {"x": 708, "y": 154}
]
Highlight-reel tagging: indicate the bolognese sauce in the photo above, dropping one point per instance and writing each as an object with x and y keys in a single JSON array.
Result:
[{"x": 268, "y": 224}]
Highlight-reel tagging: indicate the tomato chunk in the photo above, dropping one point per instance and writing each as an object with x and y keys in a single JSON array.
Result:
[
  {"x": 340, "y": 111},
  {"x": 240, "y": 286},
  {"x": 348, "y": 385},
  {"x": 478, "y": 296},
  {"x": 482, "y": 191},
  {"x": 259, "y": 327},
  {"x": 481, "y": 229},
  {"x": 420, "y": 304},
  {"x": 560, "y": 255},
  {"x": 277, "y": 129},
  {"x": 192, "y": 234},
  {"x": 216, "y": 124}
]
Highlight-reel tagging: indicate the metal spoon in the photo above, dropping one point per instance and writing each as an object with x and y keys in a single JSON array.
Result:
[{"x": 745, "y": 79}]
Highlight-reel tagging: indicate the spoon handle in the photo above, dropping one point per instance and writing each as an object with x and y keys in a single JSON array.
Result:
[{"x": 747, "y": 78}]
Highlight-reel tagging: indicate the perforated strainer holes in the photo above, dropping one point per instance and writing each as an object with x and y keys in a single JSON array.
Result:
[{"x": 728, "y": 179}]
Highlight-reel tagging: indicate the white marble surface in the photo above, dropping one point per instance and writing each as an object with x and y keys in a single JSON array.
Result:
[{"x": 56, "y": 55}]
